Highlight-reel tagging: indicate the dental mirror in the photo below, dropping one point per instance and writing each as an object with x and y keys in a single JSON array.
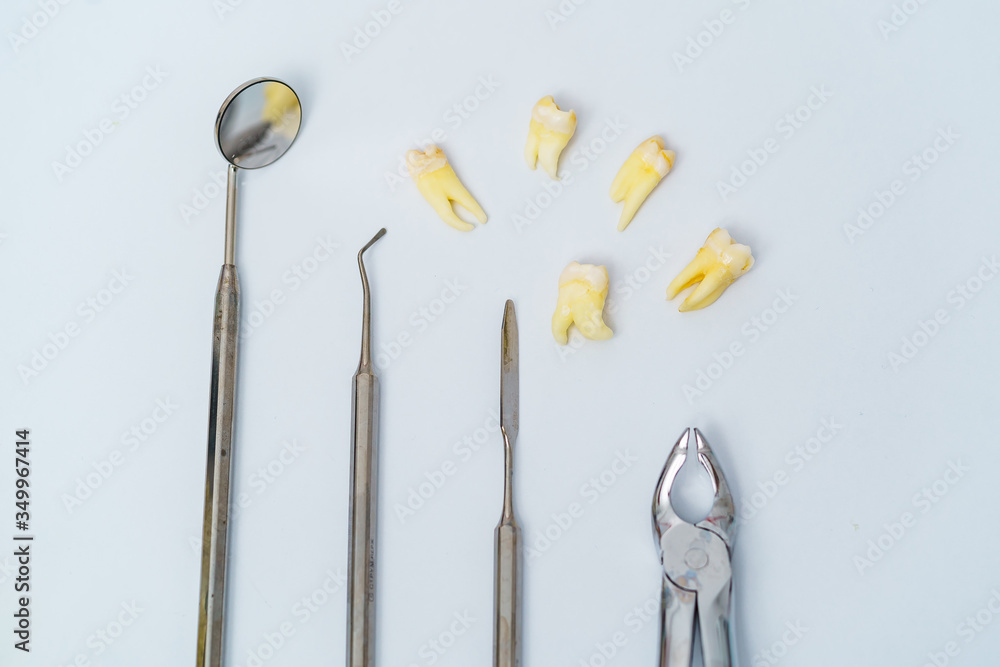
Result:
[{"x": 256, "y": 125}]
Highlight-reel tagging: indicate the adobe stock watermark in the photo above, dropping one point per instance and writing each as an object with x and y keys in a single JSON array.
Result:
[
  {"x": 259, "y": 481},
  {"x": 203, "y": 195},
  {"x": 913, "y": 170},
  {"x": 592, "y": 490},
  {"x": 956, "y": 299},
  {"x": 435, "y": 648},
  {"x": 106, "y": 636},
  {"x": 432, "y": 481},
  {"x": 751, "y": 331},
  {"x": 580, "y": 160},
  {"x": 302, "y": 611},
  {"x": 787, "y": 126},
  {"x": 223, "y": 8},
  {"x": 262, "y": 310},
  {"x": 132, "y": 441},
  {"x": 698, "y": 43},
  {"x": 87, "y": 311},
  {"x": 419, "y": 321},
  {"x": 901, "y": 14},
  {"x": 780, "y": 648},
  {"x": 796, "y": 460},
  {"x": 635, "y": 620},
  {"x": 968, "y": 630},
  {"x": 625, "y": 288},
  {"x": 365, "y": 33},
  {"x": 7, "y": 569},
  {"x": 121, "y": 108},
  {"x": 32, "y": 24},
  {"x": 561, "y": 13},
  {"x": 454, "y": 117},
  {"x": 923, "y": 501}
]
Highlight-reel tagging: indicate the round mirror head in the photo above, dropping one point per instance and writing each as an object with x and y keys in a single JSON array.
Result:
[{"x": 257, "y": 123}]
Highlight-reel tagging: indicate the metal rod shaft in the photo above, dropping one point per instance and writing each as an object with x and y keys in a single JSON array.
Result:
[
  {"x": 231, "y": 216},
  {"x": 507, "y": 577},
  {"x": 221, "y": 424},
  {"x": 364, "y": 494}
]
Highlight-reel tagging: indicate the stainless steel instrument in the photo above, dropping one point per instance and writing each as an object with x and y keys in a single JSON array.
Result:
[
  {"x": 364, "y": 494},
  {"x": 507, "y": 537},
  {"x": 697, "y": 571},
  {"x": 255, "y": 126}
]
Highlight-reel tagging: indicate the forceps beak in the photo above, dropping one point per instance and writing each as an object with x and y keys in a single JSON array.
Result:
[
  {"x": 720, "y": 517},
  {"x": 663, "y": 511}
]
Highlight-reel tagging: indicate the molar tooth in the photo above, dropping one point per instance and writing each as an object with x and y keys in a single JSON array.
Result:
[
  {"x": 643, "y": 169},
  {"x": 582, "y": 291},
  {"x": 718, "y": 263},
  {"x": 549, "y": 132},
  {"x": 440, "y": 186}
]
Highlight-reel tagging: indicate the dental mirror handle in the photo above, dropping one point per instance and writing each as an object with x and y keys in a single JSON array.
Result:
[{"x": 221, "y": 423}]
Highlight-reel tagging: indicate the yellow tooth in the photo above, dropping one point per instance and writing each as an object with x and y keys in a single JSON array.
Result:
[
  {"x": 718, "y": 263},
  {"x": 440, "y": 186},
  {"x": 281, "y": 108},
  {"x": 548, "y": 134},
  {"x": 639, "y": 175},
  {"x": 582, "y": 291}
]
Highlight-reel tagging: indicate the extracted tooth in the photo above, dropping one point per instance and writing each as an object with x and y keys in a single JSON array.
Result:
[
  {"x": 639, "y": 175},
  {"x": 718, "y": 263},
  {"x": 582, "y": 291},
  {"x": 548, "y": 134},
  {"x": 440, "y": 186}
]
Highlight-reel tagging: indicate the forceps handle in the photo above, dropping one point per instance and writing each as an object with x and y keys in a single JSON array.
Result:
[
  {"x": 677, "y": 612},
  {"x": 221, "y": 422},
  {"x": 363, "y": 529},
  {"x": 716, "y": 631}
]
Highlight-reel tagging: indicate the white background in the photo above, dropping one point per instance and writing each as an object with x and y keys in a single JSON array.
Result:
[{"x": 827, "y": 357}]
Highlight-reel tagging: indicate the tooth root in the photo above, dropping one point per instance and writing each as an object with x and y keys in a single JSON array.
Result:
[
  {"x": 439, "y": 185},
  {"x": 562, "y": 320},
  {"x": 708, "y": 290},
  {"x": 691, "y": 274},
  {"x": 644, "y": 168},
  {"x": 583, "y": 289},
  {"x": 437, "y": 198},
  {"x": 548, "y": 156},
  {"x": 587, "y": 316},
  {"x": 718, "y": 263},
  {"x": 548, "y": 133},
  {"x": 531, "y": 148},
  {"x": 460, "y": 195},
  {"x": 633, "y": 200}
]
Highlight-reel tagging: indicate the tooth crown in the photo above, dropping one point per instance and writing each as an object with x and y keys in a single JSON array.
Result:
[
  {"x": 583, "y": 288},
  {"x": 643, "y": 169},
  {"x": 718, "y": 263},
  {"x": 548, "y": 133},
  {"x": 440, "y": 186}
]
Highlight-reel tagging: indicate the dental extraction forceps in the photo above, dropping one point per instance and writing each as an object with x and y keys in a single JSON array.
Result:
[{"x": 697, "y": 570}]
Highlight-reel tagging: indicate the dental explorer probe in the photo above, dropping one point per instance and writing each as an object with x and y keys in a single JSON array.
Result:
[{"x": 364, "y": 494}]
